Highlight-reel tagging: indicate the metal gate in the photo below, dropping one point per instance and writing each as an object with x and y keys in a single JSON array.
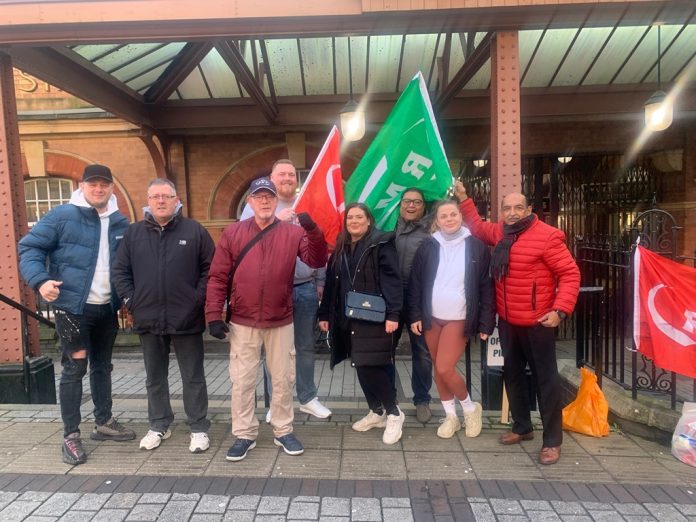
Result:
[{"x": 595, "y": 195}]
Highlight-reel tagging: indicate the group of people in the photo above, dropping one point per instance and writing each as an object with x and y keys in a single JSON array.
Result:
[{"x": 267, "y": 283}]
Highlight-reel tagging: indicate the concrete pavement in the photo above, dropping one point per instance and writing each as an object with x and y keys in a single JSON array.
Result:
[{"x": 343, "y": 475}]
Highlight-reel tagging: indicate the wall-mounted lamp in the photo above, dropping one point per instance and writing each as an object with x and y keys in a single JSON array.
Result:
[
  {"x": 352, "y": 121},
  {"x": 351, "y": 115},
  {"x": 564, "y": 159},
  {"x": 659, "y": 109},
  {"x": 480, "y": 163}
]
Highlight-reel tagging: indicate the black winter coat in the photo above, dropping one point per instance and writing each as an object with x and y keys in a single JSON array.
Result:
[
  {"x": 478, "y": 286},
  {"x": 161, "y": 274},
  {"x": 375, "y": 266}
]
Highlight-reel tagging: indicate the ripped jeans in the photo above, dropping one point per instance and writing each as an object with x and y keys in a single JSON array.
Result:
[{"x": 95, "y": 331}]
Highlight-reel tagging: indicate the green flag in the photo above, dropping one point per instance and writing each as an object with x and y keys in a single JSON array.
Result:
[{"x": 407, "y": 152}]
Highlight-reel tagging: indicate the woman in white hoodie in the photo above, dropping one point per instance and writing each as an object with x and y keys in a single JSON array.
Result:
[{"x": 451, "y": 299}]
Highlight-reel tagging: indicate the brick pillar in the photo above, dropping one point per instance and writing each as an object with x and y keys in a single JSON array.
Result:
[
  {"x": 506, "y": 162},
  {"x": 14, "y": 224}
]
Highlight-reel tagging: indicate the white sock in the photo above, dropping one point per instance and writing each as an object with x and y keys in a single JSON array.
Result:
[
  {"x": 468, "y": 405},
  {"x": 450, "y": 408}
]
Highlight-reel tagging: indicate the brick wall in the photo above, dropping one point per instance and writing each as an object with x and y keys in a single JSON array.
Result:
[{"x": 220, "y": 167}]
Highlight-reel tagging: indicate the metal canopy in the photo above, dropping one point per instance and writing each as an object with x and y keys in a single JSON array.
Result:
[{"x": 303, "y": 78}]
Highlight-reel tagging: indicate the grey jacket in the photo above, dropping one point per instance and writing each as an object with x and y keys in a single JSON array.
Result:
[{"x": 409, "y": 236}]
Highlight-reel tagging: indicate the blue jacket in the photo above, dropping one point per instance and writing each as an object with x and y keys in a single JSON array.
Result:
[{"x": 68, "y": 237}]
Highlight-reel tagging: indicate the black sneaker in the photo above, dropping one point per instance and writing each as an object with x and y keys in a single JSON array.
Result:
[
  {"x": 112, "y": 430},
  {"x": 239, "y": 449},
  {"x": 290, "y": 444},
  {"x": 73, "y": 453}
]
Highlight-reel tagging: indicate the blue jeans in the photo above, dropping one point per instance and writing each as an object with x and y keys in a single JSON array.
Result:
[
  {"x": 95, "y": 331},
  {"x": 421, "y": 364},
  {"x": 305, "y": 304}
]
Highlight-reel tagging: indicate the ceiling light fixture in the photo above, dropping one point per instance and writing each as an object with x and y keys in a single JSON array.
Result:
[
  {"x": 480, "y": 163},
  {"x": 564, "y": 159},
  {"x": 351, "y": 115},
  {"x": 659, "y": 108}
]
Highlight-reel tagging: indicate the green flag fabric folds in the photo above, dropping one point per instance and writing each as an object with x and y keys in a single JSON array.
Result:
[{"x": 407, "y": 152}]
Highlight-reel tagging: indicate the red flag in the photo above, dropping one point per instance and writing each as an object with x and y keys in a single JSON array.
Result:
[
  {"x": 664, "y": 312},
  {"x": 322, "y": 193}
]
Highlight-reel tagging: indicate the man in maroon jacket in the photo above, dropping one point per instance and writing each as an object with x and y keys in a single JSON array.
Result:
[
  {"x": 537, "y": 284},
  {"x": 261, "y": 311}
]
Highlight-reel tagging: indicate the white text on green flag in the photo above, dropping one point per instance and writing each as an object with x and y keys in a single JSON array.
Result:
[{"x": 407, "y": 152}]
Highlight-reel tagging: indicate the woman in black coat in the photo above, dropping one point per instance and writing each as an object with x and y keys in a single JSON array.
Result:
[
  {"x": 450, "y": 300},
  {"x": 365, "y": 260}
]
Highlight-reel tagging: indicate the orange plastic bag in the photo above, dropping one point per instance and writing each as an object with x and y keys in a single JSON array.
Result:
[{"x": 589, "y": 411}]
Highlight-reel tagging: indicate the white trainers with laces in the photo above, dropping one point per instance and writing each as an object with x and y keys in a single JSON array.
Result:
[
  {"x": 473, "y": 422},
  {"x": 153, "y": 439},
  {"x": 395, "y": 423},
  {"x": 449, "y": 426},
  {"x": 316, "y": 408},
  {"x": 369, "y": 421},
  {"x": 199, "y": 442}
]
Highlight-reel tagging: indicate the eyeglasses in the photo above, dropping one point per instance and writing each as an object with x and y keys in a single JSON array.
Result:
[
  {"x": 414, "y": 202},
  {"x": 263, "y": 197},
  {"x": 161, "y": 197}
]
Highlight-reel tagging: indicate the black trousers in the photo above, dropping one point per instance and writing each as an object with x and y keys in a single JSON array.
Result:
[
  {"x": 535, "y": 345},
  {"x": 95, "y": 331},
  {"x": 189, "y": 355},
  {"x": 377, "y": 386}
]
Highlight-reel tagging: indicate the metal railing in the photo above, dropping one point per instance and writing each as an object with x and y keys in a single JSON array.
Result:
[
  {"x": 604, "y": 339},
  {"x": 27, "y": 313}
]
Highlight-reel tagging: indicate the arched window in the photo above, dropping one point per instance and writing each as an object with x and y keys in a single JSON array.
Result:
[{"x": 42, "y": 194}]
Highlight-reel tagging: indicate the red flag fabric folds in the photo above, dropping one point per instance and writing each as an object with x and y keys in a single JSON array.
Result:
[
  {"x": 322, "y": 193},
  {"x": 664, "y": 312}
]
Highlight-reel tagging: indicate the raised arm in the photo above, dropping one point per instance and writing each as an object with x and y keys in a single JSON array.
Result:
[
  {"x": 312, "y": 250},
  {"x": 489, "y": 233}
]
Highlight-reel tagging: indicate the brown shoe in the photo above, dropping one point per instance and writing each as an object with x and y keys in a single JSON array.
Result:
[
  {"x": 549, "y": 456},
  {"x": 509, "y": 437}
]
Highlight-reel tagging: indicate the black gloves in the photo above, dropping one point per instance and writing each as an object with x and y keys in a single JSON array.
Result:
[
  {"x": 306, "y": 221},
  {"x": 218, "y": 329}
]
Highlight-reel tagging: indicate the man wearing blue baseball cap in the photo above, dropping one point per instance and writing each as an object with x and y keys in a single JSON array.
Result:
[{"x": 253, "y": 270}]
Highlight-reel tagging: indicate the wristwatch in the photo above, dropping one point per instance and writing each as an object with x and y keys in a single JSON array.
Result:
[{"x": 561, "y": 314}]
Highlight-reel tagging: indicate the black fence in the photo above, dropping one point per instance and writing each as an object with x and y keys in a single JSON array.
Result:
[
  {"x": 32, "y": 382},
  {"x": 605, "y": 316}
]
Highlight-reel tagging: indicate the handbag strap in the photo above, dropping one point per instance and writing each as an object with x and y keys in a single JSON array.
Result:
[
  {"x": 240, "y": 257},
  {"x": 351, "y": 277}
]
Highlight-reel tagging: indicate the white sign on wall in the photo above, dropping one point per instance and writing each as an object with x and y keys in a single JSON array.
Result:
[{"x": 495, "y": 352}]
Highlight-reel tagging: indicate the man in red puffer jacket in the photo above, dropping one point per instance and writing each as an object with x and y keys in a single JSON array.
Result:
[{"x": 537, "y": 283}]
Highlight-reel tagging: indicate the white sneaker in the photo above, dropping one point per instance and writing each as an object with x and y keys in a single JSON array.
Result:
[
  {"x": 153, "y": 439},
  {"x": 199, "y": 442},
  {"x": 268, "y": 416},
  {"x": 316, "y": 408},
  {"x": 369, "y": 421},
  {"x": 472, "y": 421},
  {"x": 450, "y": 425},
  {"x": 392, "y": 433}
]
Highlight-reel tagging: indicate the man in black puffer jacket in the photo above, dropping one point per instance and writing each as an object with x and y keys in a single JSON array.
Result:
[{"x": 161, "y": 273}]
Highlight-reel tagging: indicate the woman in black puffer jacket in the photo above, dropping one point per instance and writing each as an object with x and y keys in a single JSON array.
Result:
[{"x": 365, "y": 260}]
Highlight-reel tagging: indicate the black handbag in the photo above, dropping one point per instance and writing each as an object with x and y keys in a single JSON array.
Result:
[{"x": 365, "y": 307}]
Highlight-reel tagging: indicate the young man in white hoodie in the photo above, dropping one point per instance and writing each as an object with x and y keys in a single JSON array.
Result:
[{"x": 79, "y": 241}]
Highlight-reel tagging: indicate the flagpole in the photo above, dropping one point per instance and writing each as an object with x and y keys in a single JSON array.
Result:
[{"x": 334, "y": 129}]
